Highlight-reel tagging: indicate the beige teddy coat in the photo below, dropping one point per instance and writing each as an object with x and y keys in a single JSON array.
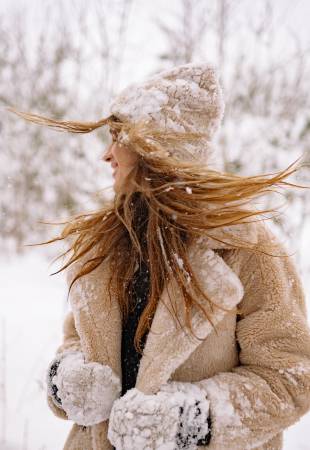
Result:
[{"x": 255, "y": 370}]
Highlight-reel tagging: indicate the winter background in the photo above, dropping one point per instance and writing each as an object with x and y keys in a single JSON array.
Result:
[{"x": 67, "y": 59}]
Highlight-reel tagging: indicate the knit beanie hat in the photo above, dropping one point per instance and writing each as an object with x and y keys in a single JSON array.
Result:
[{"x": 185, "y": 98}]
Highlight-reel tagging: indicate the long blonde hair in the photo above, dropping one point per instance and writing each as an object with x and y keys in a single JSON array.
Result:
[{"x": 166, "y": 205}]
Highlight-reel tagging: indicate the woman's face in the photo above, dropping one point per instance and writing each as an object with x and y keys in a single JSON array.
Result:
[{"x": 122, "y": 160}]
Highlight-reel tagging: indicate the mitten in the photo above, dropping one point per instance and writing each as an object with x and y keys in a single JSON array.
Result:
[
  {"x": 194, "y": 420},
  {"x": 167, "y": 420},
  {"x": 85, "y": 391}
]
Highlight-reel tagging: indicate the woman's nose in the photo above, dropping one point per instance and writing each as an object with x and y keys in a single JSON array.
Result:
[{"x": 107, "y": 155}]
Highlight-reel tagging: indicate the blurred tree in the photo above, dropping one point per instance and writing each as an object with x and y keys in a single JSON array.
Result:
[{"x": 55, "y": 70}]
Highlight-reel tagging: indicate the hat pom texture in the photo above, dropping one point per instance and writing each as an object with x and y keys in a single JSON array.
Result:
[{"x": 186, "y": 98}]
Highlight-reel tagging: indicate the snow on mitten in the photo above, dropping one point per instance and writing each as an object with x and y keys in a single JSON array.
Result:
[
  {"x": 148, "y": 422},
  {"x": 194, "y": 421},
  {"x": 85, "y": 391}
]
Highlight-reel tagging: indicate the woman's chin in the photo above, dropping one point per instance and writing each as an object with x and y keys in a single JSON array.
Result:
[{"x": 117, "y": 185}]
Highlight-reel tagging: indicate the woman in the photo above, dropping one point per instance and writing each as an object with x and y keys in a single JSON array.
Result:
[{"x": 188, "y": 326}]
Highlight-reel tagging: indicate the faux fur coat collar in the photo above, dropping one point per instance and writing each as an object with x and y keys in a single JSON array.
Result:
[{"x": 258, "y": 382}]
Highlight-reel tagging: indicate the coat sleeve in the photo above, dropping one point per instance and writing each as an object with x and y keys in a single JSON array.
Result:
[
  {"x": 71, "y": 341},
  {"x": 270, "y": 388}
]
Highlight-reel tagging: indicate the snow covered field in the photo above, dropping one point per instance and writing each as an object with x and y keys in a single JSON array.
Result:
[{"x": 32, "y": 309}]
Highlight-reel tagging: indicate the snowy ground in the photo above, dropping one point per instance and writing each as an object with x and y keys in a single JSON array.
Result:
[{"x": 32, "y": 308}]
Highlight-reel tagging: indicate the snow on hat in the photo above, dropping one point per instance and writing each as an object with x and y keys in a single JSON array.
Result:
[{"x": 185, "y": 98}]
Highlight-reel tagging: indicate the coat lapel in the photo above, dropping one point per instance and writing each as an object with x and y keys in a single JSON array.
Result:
[{"x": 167, "y": 345}]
